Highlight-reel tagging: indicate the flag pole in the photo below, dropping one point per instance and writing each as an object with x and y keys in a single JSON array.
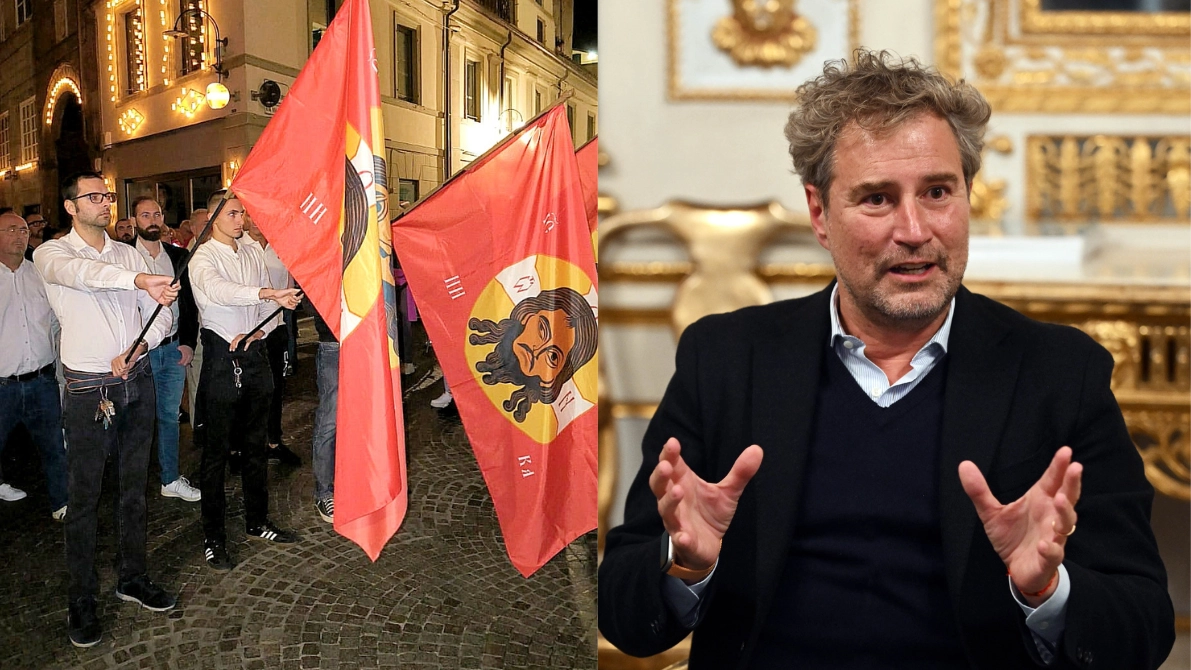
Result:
[
  {"x": 177, "y": 277},
  {"x": 258, "y": 327},
  {"x": 493, "y": 149}
]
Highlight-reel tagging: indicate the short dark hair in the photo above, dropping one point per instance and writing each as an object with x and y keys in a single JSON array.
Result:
[
  {"x": 136, "y": 202},
  {"x": 215, "y": 197},
  {"x": 70, "y": 187}
]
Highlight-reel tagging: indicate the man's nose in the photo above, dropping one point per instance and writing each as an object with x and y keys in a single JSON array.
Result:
[{"x": 911, "y": 227}]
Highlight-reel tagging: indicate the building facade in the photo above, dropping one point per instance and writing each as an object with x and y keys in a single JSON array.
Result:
[
  {"x": 455, "y": 77},
  {"x": 50, "y": 118}
]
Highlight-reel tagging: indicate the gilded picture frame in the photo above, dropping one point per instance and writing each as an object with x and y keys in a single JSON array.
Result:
[
  {"x": 1025, "y": 59},
  {"x": 700, "y": 69}
]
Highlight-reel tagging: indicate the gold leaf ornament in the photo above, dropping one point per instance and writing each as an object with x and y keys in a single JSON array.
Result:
[{"x": 764, "y": 33}]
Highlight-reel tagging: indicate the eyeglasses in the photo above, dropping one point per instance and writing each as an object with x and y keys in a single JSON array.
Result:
[
  {"x": 21, "y": 230},
  {"x": 36, "y": 222},
  {"x": 96, "y": 198}
]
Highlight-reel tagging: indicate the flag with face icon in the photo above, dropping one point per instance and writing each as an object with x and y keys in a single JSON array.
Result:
[
  {"x": 500, "y": 262},
  {"x": 316, "y": 184}
]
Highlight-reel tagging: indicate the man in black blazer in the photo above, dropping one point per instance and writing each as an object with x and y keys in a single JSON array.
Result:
[
  {"x": 864, "y": 439},
  {"x": 170, "y": 358}
]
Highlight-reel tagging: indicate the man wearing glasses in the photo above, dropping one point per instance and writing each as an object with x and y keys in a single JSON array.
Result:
[
  {"x": 36, "y": 224},
  {"x": 169, "y": 360},
  {"x": 28, "y": 389},
  {"x": 103, "y": 293}
]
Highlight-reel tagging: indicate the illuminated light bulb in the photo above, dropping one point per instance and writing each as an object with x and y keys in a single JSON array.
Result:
[{"x": 217, "y": 95}]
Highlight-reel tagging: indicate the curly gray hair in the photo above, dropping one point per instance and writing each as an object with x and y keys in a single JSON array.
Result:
[{"x": 879, "y": 91}]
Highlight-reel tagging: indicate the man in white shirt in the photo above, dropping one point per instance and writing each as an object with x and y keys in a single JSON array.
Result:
[
  {"x": 169, "y": 360},
  {"x": 103, "y": 293},
  {"x": 28, "y": 392},
  {"x": 277, "y": 344},
  {"x": 230, "y": 283}
]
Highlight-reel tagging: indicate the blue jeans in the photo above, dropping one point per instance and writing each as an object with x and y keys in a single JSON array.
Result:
[
  {"x": 327, "y": 364},
  {"x": 168, "y": 380},
  {"x": 36, "y": 404}
]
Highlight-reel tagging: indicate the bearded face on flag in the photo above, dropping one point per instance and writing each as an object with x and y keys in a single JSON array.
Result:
[{"x": 545, "y": 340}]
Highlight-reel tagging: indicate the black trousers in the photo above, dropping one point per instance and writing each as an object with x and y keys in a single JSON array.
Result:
[
  {"x": 238, "y": 415},
  {"x": 127, "y": 441},
  {"x": 277, "y": 344}
]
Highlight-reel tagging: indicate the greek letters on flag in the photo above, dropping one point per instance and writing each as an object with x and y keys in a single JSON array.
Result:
[
  {"x": 324, "y": 205},
  {"x": 500, "y": 263}
]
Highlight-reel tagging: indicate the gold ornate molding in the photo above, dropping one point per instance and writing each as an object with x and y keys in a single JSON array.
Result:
[
  {"x": 764, "y": 33},
  {"x": 1082, "y": 62},
  {"x": 1108, "y": 178},
  {"x": 678, "y": 90},
  {"x": 1035, "y": 20}
]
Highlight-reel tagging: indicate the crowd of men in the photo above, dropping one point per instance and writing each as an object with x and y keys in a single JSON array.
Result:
[{"x": 89, "y": 389}]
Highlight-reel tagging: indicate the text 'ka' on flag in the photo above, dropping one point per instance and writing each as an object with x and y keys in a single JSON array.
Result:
[
  {"x": 315, "y": 183},
  {"x": 500, "y": 262}
]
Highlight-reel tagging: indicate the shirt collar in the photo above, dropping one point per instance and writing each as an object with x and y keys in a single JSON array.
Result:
[
  {"x": 77, "y": 242},
  {"x": 941, "y": 337}
]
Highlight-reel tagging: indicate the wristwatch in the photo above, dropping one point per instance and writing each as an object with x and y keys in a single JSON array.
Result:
[{"x": 670, "y": 567}]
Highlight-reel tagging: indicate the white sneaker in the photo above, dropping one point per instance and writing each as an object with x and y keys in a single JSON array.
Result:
[
  {"x": 59, "y": 514},
  {"x": 442, "y": 401},
  {"x": 10, "y": 493},
  {"x": 181, "y": 488}
]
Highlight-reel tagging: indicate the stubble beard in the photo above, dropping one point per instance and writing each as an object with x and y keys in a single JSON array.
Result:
[{"x": 910, "y": 308}]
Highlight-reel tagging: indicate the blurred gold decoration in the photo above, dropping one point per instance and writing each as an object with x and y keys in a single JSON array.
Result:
[
  {"x": 1066, "y": 61},
  {"x": 723, "y": 244},
  {"x": 1161, "y": 437},
  {"x": 764, "y": 33},
  {"x": 987, "y": 198},
  {"x": 1108, "y": 178}
]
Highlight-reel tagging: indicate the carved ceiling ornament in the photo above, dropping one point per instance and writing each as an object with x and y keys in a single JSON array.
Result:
[{"x": 764, "y": 33}]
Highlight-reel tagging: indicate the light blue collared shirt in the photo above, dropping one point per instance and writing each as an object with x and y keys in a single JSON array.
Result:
[{"x": 1045, "y": 622}]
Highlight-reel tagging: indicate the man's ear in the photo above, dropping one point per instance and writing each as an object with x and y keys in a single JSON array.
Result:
[
  {"x": 71, "y": 209},
  {"x": 818, "y": 214}
]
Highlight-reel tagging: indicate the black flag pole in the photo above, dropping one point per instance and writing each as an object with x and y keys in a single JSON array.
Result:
[
  {"x": 177, "y": 277},
  {"x": 259, "y": 326}
]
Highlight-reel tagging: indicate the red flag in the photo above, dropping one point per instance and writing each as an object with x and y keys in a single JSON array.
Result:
[
  {"x": 588, "y": 156},
  {"x": 501, "y": 265},
  {"x": 324, "y": 205}
]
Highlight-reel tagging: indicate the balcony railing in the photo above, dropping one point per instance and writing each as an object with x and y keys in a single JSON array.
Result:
[{"x": 501, "y": 8}]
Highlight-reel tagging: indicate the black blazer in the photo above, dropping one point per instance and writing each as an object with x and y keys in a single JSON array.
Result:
[
  {"x": 188, "y": 325},
  {"x": 1017, "y": 390}
]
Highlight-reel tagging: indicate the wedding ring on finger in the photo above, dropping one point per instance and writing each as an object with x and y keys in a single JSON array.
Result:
[
  {"x": 1068, "y": 533},
  {"x": 1055, "y": 526}
]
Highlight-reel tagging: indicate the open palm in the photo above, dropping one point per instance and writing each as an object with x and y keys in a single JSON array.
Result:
[
  {"x": 696, "y": 513},
  {"x": 1030, "y": 533}
]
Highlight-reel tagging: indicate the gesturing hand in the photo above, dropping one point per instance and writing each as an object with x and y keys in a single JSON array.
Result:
[
  {"x": 159, "y": 287},
  {"x": 1030, "y": 534},
  {"x": 696, "y": 513}
]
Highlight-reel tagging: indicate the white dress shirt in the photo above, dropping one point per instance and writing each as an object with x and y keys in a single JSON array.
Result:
[
  {"x": 162, "y": 265},
  {"x": 278, "y": 274},
  {"x": 96, "y": 299},
  {"x": 1046, "y": 622},
  {"x": 27, "y": 323},
  {"x": 227, "y": 280}
]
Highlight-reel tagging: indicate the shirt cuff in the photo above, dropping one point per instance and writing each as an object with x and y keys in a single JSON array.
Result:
[
  {"x": 684, "y": 599},
  {"x": 1047, "y": 621},
  {"x": 127, "y": 280}
]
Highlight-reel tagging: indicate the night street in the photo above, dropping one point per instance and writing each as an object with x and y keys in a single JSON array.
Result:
[{"x": 442, "y": 595}]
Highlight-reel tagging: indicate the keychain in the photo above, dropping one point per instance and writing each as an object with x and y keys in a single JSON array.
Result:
[
  {"x": 236, "y": 370},
  {"x": 106, "y": 410}
]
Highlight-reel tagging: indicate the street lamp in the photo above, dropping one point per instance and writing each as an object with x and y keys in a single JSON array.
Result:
[{"x": 217, "y": 94}]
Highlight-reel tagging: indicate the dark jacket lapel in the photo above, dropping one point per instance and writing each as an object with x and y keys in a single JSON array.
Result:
[
  {"x": 982, "y": 371},
  {"x": 786, "y": 363}
]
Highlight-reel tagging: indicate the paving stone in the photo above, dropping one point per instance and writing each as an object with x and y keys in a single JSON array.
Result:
[{"x": 442, "y": 594}]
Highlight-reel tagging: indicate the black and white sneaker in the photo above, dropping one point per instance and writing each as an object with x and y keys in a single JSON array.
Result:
[
  {"x": 326, "y": 509},
  {"x": 271, "y": 533},
  {"x": 149, "y": 595},
  {"x": 217, "y": 556},
  {"x": 82, "y": 626}
]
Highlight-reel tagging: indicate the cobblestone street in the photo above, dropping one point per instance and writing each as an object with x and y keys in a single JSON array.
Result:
[{"x": 442, "y": 595}]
